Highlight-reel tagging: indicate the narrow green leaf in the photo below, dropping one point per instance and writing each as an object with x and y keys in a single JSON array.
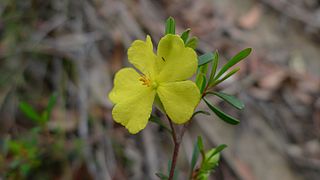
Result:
[
  {"x": 211, "y": 160},
  {"x": 185, "y": 35},
  {"x": 201, "y": 83},
  {"x": 176, "y": 174},
  {"x": 25, "y": 169},
  {"x": 234, "y": 60},
  {"x": 200, "y": 112},
  {"x": 170, "y": 26},
  {"x": 200, "y": 143},
  {"x": 223, "y": 116},
  {"x": 158, "y": 121},
  {"x": 204, "y": 69},
  {"x": 162, "y": 176},
  {"x": 198, "y": 78},
  {"x": 195, "y": 155},
  {"x": 214, "y": 66},
  {"x": 229, "y": 99},
  {"x": 192, "y": 43},
  {"x": 44, "y": 117},
  {"x": 217, "y": 150},
  {"x": 201, "y": 76},
  {"x": 232, "y": 72},
  {"x": 51, "y": 103},
  {"x": 209, "y": 163},
  {"x": 30, "y": 112},
  {"x": 169, "y": 165},
  {"x": 205, "y": 58},
  {"x": 194, "y": 159}
]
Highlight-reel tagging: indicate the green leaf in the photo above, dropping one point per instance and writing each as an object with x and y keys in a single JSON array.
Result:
[
  {"x": 201, "y": 82},
  {"x": 195, "y": 155},
  {"x": 192, "y": 43},
  {"x": 44, "y": 117},
  {"x": 200, "y": 112},
  {"x": 30, "y": 112},
  {"x": 194, "y": 159},
  {"x": 204, "y": 69},
  {"x": 169, "y": 165},
  {"x": 229, "y": 99},
  {"x": 200, "y": 143},
  {"x": 217, "y": 150},
  {"x": 209, "y": 163},
  {"x": 234, "y": 60},
  {"x": 25, "y": 169},
  {"x": 158, "y": 121},
  {"x": 201, "y": 79},
  {"x": 223, "y": 116},
  {"x": 214, "y": 66},
  {"x": 232, "y": 72},
  {"x": 14, "y": 147},
  {"x": 51, "y": 103},
  {"x": 170, "y": 26},
  {"x": 185, "y": 35},
  {"x": 175, "y": 175},
  {"x": 205, "y": 58},
  {"x": 162, "y": 176},
  {"x": 211, "y": 160}
]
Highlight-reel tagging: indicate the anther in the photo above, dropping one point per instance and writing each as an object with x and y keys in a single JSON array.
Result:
[{"x": 145, "y": 80}]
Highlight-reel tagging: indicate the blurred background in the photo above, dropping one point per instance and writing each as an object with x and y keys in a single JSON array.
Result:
[{"x": 58, "y": 58}]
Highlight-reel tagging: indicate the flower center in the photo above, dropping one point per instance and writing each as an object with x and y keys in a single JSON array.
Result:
[{"x": 147, "y": 82}]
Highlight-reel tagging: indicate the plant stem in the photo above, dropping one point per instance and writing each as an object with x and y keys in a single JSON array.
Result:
[
  {"x": 176, "y": 141},
  {"x": 174, "y": 160},
  {"x": 175, "y": 151}
]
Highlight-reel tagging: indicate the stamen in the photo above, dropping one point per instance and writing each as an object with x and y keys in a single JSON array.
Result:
[{"x": 145, "y": 80}]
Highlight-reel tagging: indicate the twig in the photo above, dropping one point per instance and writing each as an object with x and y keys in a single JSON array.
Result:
[{"x": 177, "y": 139}]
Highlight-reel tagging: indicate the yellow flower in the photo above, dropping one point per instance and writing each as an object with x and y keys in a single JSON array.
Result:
[{"x": 163, "y": 74}]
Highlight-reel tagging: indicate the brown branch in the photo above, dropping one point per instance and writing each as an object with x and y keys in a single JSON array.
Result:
[{"x": 177, "y": 139}]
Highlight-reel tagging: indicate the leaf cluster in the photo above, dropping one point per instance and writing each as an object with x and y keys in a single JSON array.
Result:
[
  {"x": 208, "y": 76},
  {"x": 206, "y": 81},
  {"x": 210, "y": 160},
  {"x": 38, "y": 118}
]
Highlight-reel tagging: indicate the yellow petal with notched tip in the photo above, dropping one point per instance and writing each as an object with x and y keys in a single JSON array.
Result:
[
  {"x": 179, "y": 99},
  {"x": 141, "y": 55},
  {"x": 126, "y": 84},
  {"x": 134, "y": 111},
  {"x": 178, "y": 62},
  {"x": 133, "y": 100}
]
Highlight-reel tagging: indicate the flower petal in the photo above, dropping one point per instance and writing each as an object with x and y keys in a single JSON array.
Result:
[
  {"x": 134, "y": 111},
  {"x": 179, "y": 62},
  {"x": 126, "y": 84},
  {"x": 179, "y": 99},
  {"x": 133, "y": 100},
  {"x": 141, "y": 55}
]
